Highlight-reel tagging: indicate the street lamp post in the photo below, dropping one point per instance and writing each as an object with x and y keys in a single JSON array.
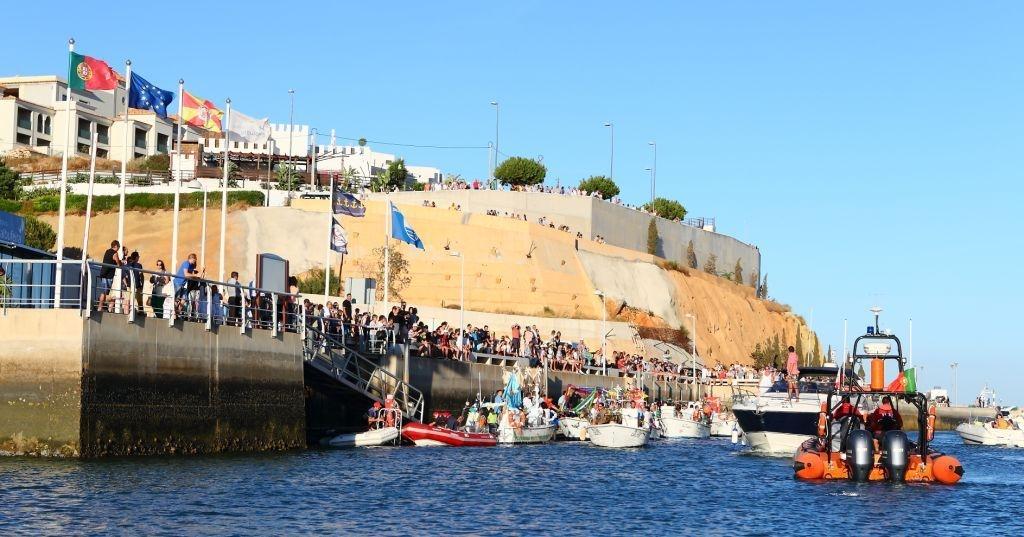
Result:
[
  {"x": 650, "y": 171},
  {"x": 654, "y": 169},
  {"x": 611, "y": 165},
  {"x": 953, "y": 366},
  {"x": 497, "y": 115},
  {"x": 291, "y": 126},
  {"x": 604, "y": 332},
  {"x": 693, "y": 350},
  {"x": 198, "y": 185}
]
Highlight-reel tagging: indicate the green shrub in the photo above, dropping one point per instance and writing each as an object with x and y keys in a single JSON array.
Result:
[{"x": 145, "y": 201}]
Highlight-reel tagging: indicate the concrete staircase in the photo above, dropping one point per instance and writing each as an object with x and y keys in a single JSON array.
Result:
[{"x": 332, "y": 357}]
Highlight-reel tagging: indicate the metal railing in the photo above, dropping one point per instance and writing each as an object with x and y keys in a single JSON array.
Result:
[{"x": 331, "y": 356}]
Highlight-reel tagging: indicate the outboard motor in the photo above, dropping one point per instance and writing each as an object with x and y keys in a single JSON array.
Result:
[
  {"x": 860, "y": 455},
  {"x": 894, "y": 448}
]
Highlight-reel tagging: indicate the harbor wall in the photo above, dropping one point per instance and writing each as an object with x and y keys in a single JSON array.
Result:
[
  {"x": 103, "y": 387},
  {"x": 40, "y": 382},
  {"x": 449, "y": 384},
  {"x": 150, "y": 388}
]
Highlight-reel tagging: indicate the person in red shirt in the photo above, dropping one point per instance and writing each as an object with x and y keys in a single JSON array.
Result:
[
  {"x": 884, "y": 418},
  {"x": 845, "y": 409},
  {"x": 792, "y": 373}
]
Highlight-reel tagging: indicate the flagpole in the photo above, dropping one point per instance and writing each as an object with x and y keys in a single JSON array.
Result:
[
  {"x": 127, "y": 151},
  {"x": 387, "y": 251},
  {"x": 59, "y": 274},
  {"x": 88, "y": 202},
  {"x": 330, "y": 239},
  {"x": 224, "y": 191},
  {"x": 177, "y": 190}
]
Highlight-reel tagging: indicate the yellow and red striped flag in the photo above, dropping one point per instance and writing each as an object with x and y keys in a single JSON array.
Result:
[{"x": 200, "y": 113}]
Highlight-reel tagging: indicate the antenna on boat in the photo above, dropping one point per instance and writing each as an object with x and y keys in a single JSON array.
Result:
[{"x": 877, "y": 311}]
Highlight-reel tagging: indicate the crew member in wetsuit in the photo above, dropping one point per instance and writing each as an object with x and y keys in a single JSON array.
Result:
[{"x": 884, "y": 418}]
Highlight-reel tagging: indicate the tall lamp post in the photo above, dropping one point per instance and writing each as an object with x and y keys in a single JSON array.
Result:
[
  {"x": 650, "y": 171},
  {"x": 497, "y": 116},
  {"x": 953, "y": 366},
  {"x": 611, "y": 165},
  {"x": 604, "y": 332},
  {"x": 693, "y": 351},
  {"x": 654, "y": 168},
  {"x": 198, "y": 185},
  {"x": 291, "y": 139},
  {"x": 462, "y": 296}
]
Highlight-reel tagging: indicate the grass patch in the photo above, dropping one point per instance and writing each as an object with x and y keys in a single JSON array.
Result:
[{"x": 132, "y": 202}]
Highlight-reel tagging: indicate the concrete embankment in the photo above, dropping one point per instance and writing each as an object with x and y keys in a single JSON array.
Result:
[
  {"x": 103, "y": 387},
  {"x": 947, "y": 418}
]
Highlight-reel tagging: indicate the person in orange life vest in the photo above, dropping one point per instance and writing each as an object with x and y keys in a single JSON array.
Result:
[
  {"x": 389, "y": 417},
  {"x": 845, "y": 409},
  {"x": 885, "y": 418}
]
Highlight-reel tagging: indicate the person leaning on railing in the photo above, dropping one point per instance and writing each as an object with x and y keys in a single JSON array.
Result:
[{"x": 158, "y": 296}]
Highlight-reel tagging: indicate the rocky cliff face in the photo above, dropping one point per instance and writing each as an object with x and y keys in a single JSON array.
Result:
[{"x": 511, "y": 267}]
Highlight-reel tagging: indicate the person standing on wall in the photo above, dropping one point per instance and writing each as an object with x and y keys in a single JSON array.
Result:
[{"x": 111, "y": 260}]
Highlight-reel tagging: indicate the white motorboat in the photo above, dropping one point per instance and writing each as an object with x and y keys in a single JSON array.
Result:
[
  {"x": 508, "y": 434},
  {"x": 680, "y": 425},
  {"x": 572, "y": 428},
  {"x": 985, "y": 434},
  {"x": 774, "y": 424},
  {"x": 373, "y": 437},
  {"x": 723, "y": 424},
  {"x": 617, "y": 435}
]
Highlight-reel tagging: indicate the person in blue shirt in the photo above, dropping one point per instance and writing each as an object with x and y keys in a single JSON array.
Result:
[
  {"x": 498, "y": 399},
  {"x": 187, "y": 271}
]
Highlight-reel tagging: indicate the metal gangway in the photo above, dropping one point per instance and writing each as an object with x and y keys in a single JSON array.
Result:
[{"x": 331, "y": 356}]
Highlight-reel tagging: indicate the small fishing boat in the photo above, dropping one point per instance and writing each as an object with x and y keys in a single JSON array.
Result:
[
  {"x": 617, "y": 435},
  {"x": 723, "y": 424},
  {"x": 572, "y": 428},
  {"x": 681, "y": 425},
  {"x": 988, "y": 433},
  {"x": 527, "y": 434},
  {"x": 373, "y": 437},
  {"x": 432, "y": 435}
]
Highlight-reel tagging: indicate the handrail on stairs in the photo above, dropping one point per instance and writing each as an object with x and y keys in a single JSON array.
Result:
[{"x": 361, "y": 373}]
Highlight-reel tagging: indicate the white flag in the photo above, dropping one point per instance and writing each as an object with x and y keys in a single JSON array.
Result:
[
  {"x": 339, "y": 239},
  {"x": 243, "y": 128}
]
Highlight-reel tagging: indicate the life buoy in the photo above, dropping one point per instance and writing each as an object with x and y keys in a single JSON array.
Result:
[
  {"x": 822, "y": 420},
  {"x": 930, "y": 430}
]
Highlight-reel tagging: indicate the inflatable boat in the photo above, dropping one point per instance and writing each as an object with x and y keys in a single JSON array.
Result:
[{"x": 432, "y": 435}]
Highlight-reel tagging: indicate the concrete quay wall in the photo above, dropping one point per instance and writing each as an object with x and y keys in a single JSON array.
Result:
[{"x": 145, "y": 388}]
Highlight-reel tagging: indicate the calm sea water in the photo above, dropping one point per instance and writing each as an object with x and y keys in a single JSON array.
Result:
[{"x": 671, "y": 488}]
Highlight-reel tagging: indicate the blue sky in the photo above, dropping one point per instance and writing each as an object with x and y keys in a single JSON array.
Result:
[{"x": 872, "y": 150}]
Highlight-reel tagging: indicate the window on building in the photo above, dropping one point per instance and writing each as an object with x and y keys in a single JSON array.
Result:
[
  {"x": 24, "y": 139},
  {"x": 83, "y": 148},
  {"x": 84, "y": 129},
  {"x": 140, "y": 139},
  {"x": 46, "y": 125},
  {"x": 103, "y": 133},
  {"x": 161, "y": 143},
  {"x": 39, "y": 123},
  {"x": 41, "y": 142},
  {"x": 24, "y": 119},
  {"x": 102, "y": 153},
  {"x": 236, "y": 145}
]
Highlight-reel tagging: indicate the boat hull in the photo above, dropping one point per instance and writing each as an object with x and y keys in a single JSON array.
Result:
[
  {"x": 723, "y": 427},
  {"x": 977, "y": 433},
  {"x": 526, "y": 435},
  {"x": 572, "y": 428},
  {"x": 778, "y": 430},
  {"x": 375, "y": 437},
  {"x": 615, "y": 435},
  {"x": 429, "y": 435},
  {"x": 684, "y": 428}
]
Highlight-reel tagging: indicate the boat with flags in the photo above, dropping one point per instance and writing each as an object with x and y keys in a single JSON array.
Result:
[{"x": 524, "y": 420}]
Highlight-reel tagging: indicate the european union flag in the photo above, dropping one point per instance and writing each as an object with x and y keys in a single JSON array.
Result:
[
  {"x": 146, "y": 96},
  {"x": 344, "y": 203},
  {"x": 402, "y": 232}
]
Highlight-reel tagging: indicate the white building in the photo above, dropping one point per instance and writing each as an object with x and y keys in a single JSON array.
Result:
[
  {"x": 367, "y": 163},
  {"x": 33, "y": 112},
  {"x": 425, "y": 174}
]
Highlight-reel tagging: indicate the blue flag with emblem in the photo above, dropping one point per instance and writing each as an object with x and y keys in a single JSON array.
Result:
[
  {"x": 402, "y": 232},
  {"x": 345, "y": 203},
  {"x": 146, "y": 96}
]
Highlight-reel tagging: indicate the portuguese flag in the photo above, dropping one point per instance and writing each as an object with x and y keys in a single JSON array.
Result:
[
  {"x": 88, "y": 73},
  {"x": 905, "y": 382}
]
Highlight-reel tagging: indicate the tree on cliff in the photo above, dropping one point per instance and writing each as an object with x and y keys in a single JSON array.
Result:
[
  {"x": 737, "y": 273},
  {"x": 763, "y": 292},
  {"x": 39, "y": 234},
  {"x": 691, "y": 256},
  {"x": 711, "y": 265},
  {"x": 520, "y": 171},
  {"x": 753, "y": 281},
  {"x": 799, "y": 346},
  {"x": 666, "y": 208},
  {"x": 602, "y": 184},
  {"x": 652, "y": 237},
  {"x": 373, "y": 267}
]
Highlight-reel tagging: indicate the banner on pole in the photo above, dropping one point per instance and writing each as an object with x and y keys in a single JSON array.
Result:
[
  {"x": 242, "y": 128},
  {"x": 339, "y": 239},
  {"x": 345, "y": 203}
]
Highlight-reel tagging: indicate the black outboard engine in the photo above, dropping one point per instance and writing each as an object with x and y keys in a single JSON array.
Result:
[
  {"x": 894, "y": 447},
  {"x": 860, "y": 454}
]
